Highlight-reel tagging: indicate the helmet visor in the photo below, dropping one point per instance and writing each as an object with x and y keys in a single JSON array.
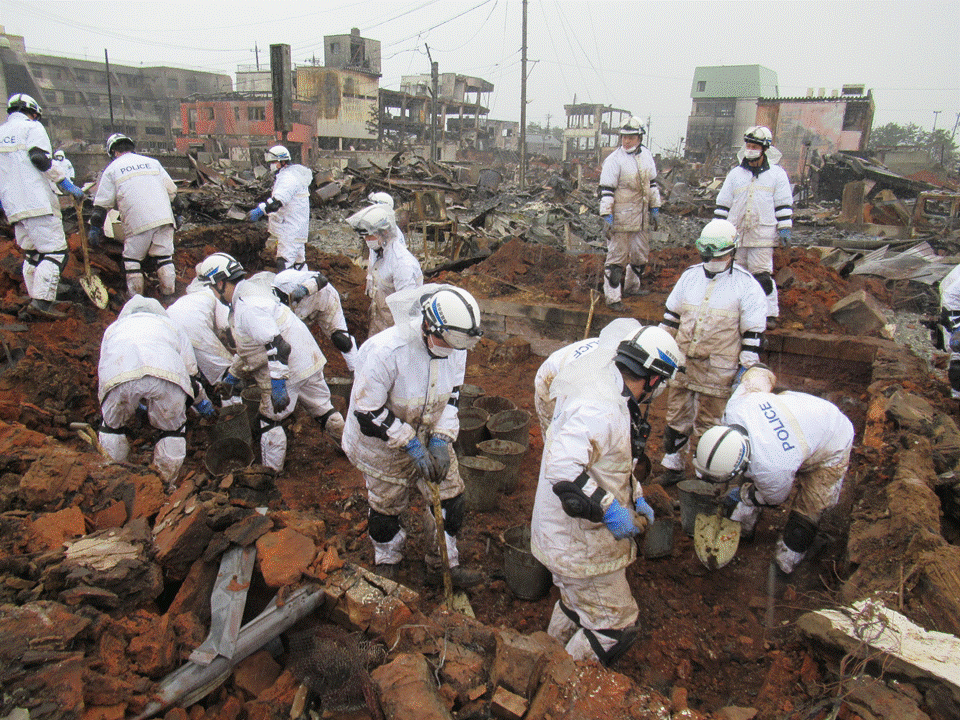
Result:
[{"x": 459, "y": 338}]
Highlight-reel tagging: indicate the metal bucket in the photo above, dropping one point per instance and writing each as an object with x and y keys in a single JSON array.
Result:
[
  {"x": 512, "y": 425},
  {"x": 227, "y": 455},
  {"x": 494, "y": 404},
  {"x": 506, "y": 452},
  {"x": 251, "y": 401},
  {"x": 658, "y": 542},
  {"x": 696, "y": 496},
  {"x": 232, "y": 422},
  {"x": 481, "y": 477},
  {"x": 340, "y": 387},
  {"x": 526, "y": 576},
  {"x": 473, "y": 429},
  {"x": 469, "y": 395}
]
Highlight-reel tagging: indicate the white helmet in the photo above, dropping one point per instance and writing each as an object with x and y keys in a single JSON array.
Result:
[
  {"x": 454, "y": 316},
  {"x": 649, "y": 351},
  {"x": 20, "y": 102},
  {"x": 717, "y": 239},
  {"x": 118, "y": 139},
  {"x": 633, "y": 126},
  {"x": 760, "y": 135},
  {"x": 278, "y": 153},
  {"x": 219, "y": 266},
  {"x": 722, "y": 453},
  {"x": 58, "y": 155},
  {"x": 381, "y": 198},
  {"x": 373, "y": 219}
]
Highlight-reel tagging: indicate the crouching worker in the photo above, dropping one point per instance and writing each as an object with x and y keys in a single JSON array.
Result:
[
  {"x": 588, "y": 507},
  {"x": 771, "y": 440},
  {"x": 403, "y": 418},
  {"x": 145, "y": 358}
]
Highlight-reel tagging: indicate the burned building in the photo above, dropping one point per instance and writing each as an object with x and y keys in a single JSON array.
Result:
[
  {"x": 590, "y": 128},
  {"x": 724, "y": 106}
]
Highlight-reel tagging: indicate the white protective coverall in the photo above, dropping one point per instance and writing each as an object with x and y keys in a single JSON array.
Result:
[
  {"x": 718, "y": 323},
  {"x": 141, "y": 190},
  {"x": 950, "y": 323},
  {"x": 628, "y": 192},
  {"x": 402, "y": 392},
  {"x": 590, "y": 434},
  {"x": 31, "y": 205},
  {"x": 205, "y": 321},
  {"x": 793, "y": 435},
  {"x": 759, "y": 202},
  {"x": 289, "y": 225},
  {"x": 145, "y": 357},
  {"x": 257, "y": 317},
  {"x": 65, "y": 167},
  {"x": 321, "y": 306},
  {"x": 390, "y": 269}
]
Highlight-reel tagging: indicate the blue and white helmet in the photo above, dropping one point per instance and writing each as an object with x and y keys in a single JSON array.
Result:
[
  {"x": 453, "y": 315},
  {"x": 650, "y": 351},
  {"x": 722, "y": 453}
]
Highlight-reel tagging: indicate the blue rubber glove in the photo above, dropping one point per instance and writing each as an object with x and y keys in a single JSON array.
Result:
[
  {"x": 205, "y": 408},
  {"x": 439, "y": 450},
  {"x": 95, "y": 236},
  {"x": 619, "y": 522},
  {"x": 955, "y": 341},
  {"x": 227, "y": 387},
  {"x": 71, "y": 189},
  {"x": 655, "y": 213},
  {"x": 177, "y": 222},
  {"x": 608, "y": 219},
  {"x": 255, "y": 214},
  {"x": 643, "y": 508},
  {"x": 785, "y": 234},
  {"x": 738, "y": 377},
  {"x": 732, "y": 498},
  {"x": 298, "y": 293},
  {"x": 278, "y": 394},
  {"x": 421, "y": 458}
]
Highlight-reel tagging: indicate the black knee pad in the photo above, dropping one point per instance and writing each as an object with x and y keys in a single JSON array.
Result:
[
  {"x": 455, "y": 511},
  {"x": 799, "y": 532},
  {"x": 615, "y": 275},
  {"x": 766, "y": 282},
  {"x": 341, "y": 340},
  {"x": 382, "y": 528},
  {"x": 673, "y": 440},
  {"x": 953, "y": 374}
]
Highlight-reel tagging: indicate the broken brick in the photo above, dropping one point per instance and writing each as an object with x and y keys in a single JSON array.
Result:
[
  {"x": 283, "y": 556},
  {"x": 256, "y": 673},
  {"x": 52, "y": 529}
]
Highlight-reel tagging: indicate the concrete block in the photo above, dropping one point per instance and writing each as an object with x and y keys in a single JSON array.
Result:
[
  {"x": 508, "y": 706},
  {"x": 860, "y": 312}
]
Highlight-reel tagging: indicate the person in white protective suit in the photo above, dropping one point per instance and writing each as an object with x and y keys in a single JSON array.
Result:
[
  {"x": 314, "y": 300},
  {"x": 629, "y": 209},
  {"x": 756, "y": 197},
  {"x": 142, "y": 191},
  {"x": 287, "y": 209},
  {"x": 64, "y": 167},
  {"x": 386, "y": 199},
  {"x": 391, "y": 267},
  {"x": 543, "y": 402},
  {"x": 771, "y": 441},
  {"x": 145, "y": 358},
  {"x": 277, "y": 350},
  {"x": 588, "y": 506},
  {"x": 717, "y": 314},
  {"x": 206, "y": 322},
  {"x": 31, "y": 207},
  {"x": 403, "y": 418},
  {"x": 947, "y": 335}
]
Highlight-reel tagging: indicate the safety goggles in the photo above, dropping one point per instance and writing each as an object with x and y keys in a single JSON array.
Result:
[{"x": 459, "y": 338}]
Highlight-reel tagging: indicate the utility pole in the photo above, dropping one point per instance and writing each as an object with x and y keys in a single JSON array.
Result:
[
  {"x": 935, "y": 113},
  {"x": 106, "y": 62},
  {"x": 256, "y": 55},
  {"x": 434, "y": 91},
  {"x": 523, "y": 99}
]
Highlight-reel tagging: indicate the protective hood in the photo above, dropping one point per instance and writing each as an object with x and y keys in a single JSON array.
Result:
[
  {"x": 288, "y": 280},
  {"x": 758, "y": 378},
  {"x": 773, "y": 155},
  {"x": 140, "y": 304},
  {"x": 593, "y": 374},
  {"x": 405, "y": 307}
]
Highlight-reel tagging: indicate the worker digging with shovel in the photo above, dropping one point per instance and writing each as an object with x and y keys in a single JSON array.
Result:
[{"x": 402, "y": 419}]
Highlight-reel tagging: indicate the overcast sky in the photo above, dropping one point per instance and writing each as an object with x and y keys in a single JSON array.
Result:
[{"x": 639, "y": 56}]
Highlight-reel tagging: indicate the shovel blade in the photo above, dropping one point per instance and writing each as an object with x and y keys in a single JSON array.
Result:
[
  {"x": 715, "y": 539},
  {"x": 94, "y": 288}
]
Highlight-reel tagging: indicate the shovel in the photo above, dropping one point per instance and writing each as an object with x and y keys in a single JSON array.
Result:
[
  {"x": 92, "y": 284},
  {"x": 715, "y": 538}
]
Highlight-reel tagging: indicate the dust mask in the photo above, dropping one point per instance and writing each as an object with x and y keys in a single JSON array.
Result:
[
  {"x": 717, "y": 265},
  {"x": 752, "y": 153},
  {"x": 437, "y": 351},
  {"x": 274, "y": 168},
  {"x": 373, "y": 244}
]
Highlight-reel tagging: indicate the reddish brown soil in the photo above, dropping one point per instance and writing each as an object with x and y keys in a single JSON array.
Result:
[{"x": 704, "y": 631}]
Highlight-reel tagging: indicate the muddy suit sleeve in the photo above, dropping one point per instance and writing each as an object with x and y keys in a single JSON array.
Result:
[
  {"x": 753, "y": 311},
  {"x": 370, "y": 403},
  {"x": 609, "y": 178},
  {"x": 568, "y": 456},
  {"x": 724, "y": 199}
]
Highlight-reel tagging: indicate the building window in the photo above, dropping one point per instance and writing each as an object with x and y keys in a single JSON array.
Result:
[
  {"x": 854, "y": 117},
  {"x": 37, "y": 72},
  {"x": 68, "y": 98},
  {"x": 93, "y": 100},
  {"x": 334, "y": 48},
  {"x": 191, "y": 119},
  {"x": 209, "y": 113},
  {"x": 155, "y": 130},
  {"x": 192, "y": 85},
  {"x": 701, "y": 85},
  {"x": 255, "y": 113},
  {"x": 81, "y": 77}
]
